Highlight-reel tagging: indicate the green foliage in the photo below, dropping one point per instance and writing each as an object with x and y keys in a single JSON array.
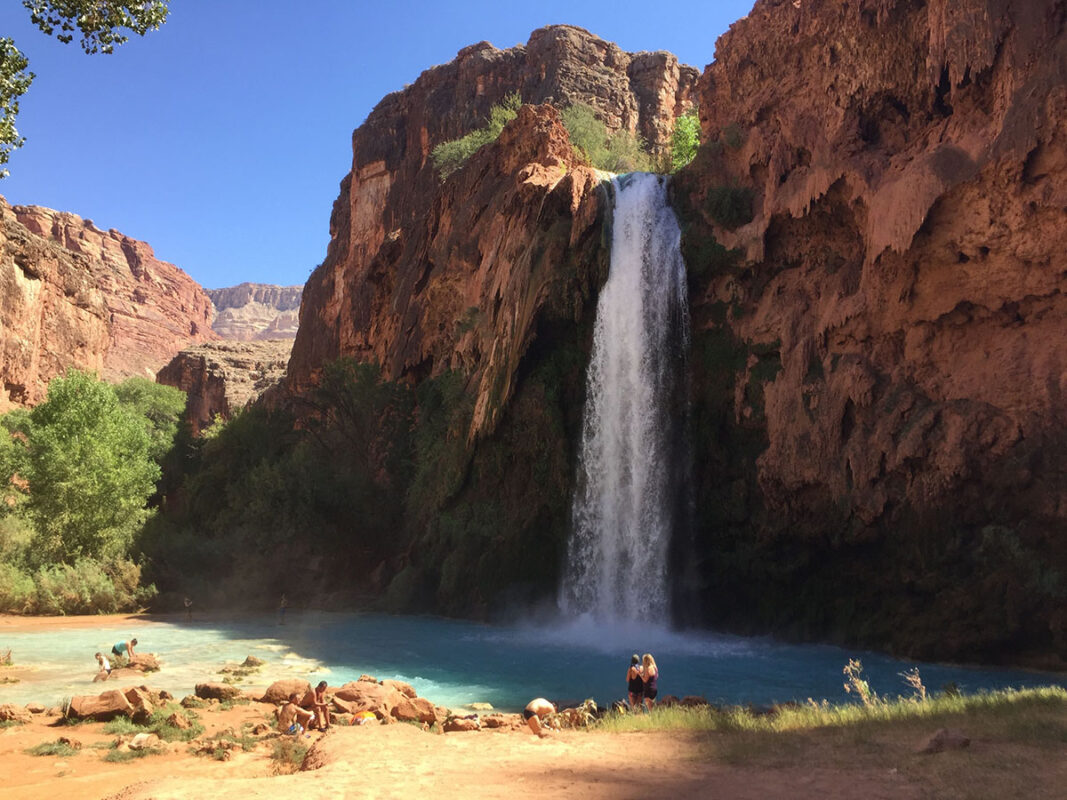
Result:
[
  {"x": 159, "y": 406},
  {"x": 449, "y": 156},
  {"x": 89, "y": 471},
  {"x": 730, "y": 206},
  {"x": 15, "y": 79},
  {"x": 288, "y": 754},
  {"x": 619, "y": 153},
  {"x": 158, "y": 724},
  {"x": 122, "y": 756},
  {"x": 101, "y": 24},
  {"x": 685, "y": 140},
  {"x": 56, "y": 748}
]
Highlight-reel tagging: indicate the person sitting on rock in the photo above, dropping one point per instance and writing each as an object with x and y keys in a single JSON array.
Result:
[
  {"x": 124, "y": 649},
  {"x": 320, "y": 706},
  {"x": 534, "y": 712},
  {"x": 292, "y": 718},
  {"x": 105, "y": 668}
]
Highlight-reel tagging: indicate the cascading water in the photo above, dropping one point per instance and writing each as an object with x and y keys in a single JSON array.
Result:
[{"x": 625, "y": 496}]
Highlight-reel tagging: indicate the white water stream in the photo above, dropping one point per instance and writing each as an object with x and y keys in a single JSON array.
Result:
[{"x": 623, "y": 507}]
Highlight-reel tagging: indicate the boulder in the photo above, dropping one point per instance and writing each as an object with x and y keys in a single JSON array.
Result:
[
  {"x": 217, "y": 691},
  {"x": 140, "y": 697},
  {"x": 405, "y": 689},
  {"x": 35, "y": 708},
  {"x": 144, "y": 741},
  {"x": 945, "y": 739},
  {"x": 12, "y": 713},
  {"x": 366, "y": 696},
  {"x": 366, "y": 679},
  {"x": 103, "y": 707},
  {"x": 279, "y": 691},
  {"x": 179, "y": 721},
  {"x": 405, "y": 710},
  {"x": 251, "y": 662},
  {"x": 143, "y": 662}
]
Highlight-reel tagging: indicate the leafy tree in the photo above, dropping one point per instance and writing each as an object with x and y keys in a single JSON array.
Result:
[
  {"x": 89, "y": 470},
  {"x": 101, "y": 24},
  {"x": 161, "y": 408},
  {"x": 685, "y": 140}
]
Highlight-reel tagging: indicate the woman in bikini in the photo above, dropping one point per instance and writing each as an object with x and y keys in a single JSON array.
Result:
[
  {"x": 649, "y": 675},
  {"x": 635, "y": 687}
]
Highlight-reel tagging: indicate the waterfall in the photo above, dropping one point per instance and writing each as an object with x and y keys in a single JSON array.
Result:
[{"x": 629, "y": 464}]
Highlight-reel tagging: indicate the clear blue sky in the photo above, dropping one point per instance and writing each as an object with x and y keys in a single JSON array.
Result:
[{"x": 221, "y": 138}]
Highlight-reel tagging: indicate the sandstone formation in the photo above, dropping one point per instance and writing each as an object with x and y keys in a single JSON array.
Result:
[
  {"x": 253, "y": 311},
  {"x": 422, "y": 277},
  {"x": 220, "y": 378},
  {"x": 76, "y": 296},
  {"x": 887, "y": 332}
]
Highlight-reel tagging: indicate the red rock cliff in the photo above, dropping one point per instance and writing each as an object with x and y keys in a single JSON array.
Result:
[
  {"x": 76, "y": 296},
  {"x": 423, "y": 277},
  {"x": 893, "y": 174}
]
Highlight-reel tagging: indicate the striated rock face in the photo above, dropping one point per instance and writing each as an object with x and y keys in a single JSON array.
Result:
[
  {"x": 424, "y": 278},
  {"x": 888, "y": 335},
  {"x": 251, "y": 311},
  {"x": 222, "y": 377},
  {"x": 76, "y": 296}
]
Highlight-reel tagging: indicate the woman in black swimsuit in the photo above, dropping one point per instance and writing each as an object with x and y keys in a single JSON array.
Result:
[
  {"x": 649, "y": 674},
  {"x": 634, "y": 685}
]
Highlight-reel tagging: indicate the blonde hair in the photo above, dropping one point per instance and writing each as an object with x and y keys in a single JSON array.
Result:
[{"x": 649, "y": 661}]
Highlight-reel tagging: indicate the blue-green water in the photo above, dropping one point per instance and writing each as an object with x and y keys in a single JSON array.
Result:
[{"x": 455, "y": 663}]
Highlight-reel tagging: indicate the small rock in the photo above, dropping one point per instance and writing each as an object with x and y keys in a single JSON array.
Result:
[
  {"x": 35, "y": 708},
  {"x": 73, "y": 744},
  {"x": 459, "y": 724},
  {"x": 165, "y": 695},
  {"x": 179, "y": 721},
  {"x": 368, "y": 679},
  {"x": 252, "y": 662},
  {"x": 217, "y": 691},
  {"x": 261, "y": 729},
  {"x": 482, "y": 706},
  {"x": 144, "y": 741},
  {"x": 945, "y": 739}
]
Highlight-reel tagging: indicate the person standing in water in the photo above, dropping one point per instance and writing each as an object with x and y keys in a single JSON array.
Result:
[
  {"x": 649, "y": 676},
  {"x": 105, "y": 668},
  {"x": 635, "y": 686},
  {"x": 282, "y": 605}
]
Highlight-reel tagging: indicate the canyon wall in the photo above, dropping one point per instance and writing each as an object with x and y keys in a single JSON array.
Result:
[
  {"x": 875, "y": 231},
  {"x": 76, "y": 296},
  {"x": 256, "y": 311},
  {"x": 424, "y": 277}
]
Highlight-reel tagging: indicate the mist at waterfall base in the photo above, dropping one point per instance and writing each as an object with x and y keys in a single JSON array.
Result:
[{"x": 455, "y": 663}]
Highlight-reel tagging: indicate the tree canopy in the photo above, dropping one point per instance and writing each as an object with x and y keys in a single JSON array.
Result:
[{"x": 102, "y": 25}]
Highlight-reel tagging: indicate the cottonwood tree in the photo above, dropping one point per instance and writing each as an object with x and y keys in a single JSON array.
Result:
[
  {"x": 101, "y": 25},
  {"x": 88, "y": 469}
]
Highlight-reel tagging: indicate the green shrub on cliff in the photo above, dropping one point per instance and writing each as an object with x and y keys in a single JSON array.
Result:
[
  {"x": 619, "y": 152},
  {"x": 449, "y": 156},
  {"x": 685, "y": 141}
]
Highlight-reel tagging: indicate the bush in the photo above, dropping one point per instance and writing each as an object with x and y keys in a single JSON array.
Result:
[
  {"x": 87, "y": 587},
  {"x": 17, "y": 592},
  {"x": 730, "y": 206},
  {"x": 619, "y": 153},
  {"x": 449, "y": 156},
  {"x": 56, "y": 748},
  {"x": 288, "y": 754},
  {"x": 685, "y": 141}
]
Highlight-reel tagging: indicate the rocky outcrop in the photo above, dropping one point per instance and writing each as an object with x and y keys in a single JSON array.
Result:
[
  {"x": 76, "y": 296},
  {"x": 424, "y": 278},
  {"x": 220, "y": 378},
  {"x": 881, "y": 336},
  {"x": 254, "y": 311}
]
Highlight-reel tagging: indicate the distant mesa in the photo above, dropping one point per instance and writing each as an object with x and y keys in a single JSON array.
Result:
[{"x": 256, "y": 311}]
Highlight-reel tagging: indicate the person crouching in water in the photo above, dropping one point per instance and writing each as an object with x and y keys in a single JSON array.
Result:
[
  {"x": 533, "y": 713},
  {"x": 292, "y": 718},
  {"x": 635, "y": 687},
  {"x": 105, "y": 668},
  {"x": 649, "y": 675}
]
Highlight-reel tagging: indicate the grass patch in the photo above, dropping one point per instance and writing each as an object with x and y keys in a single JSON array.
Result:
[
  {"x": 287, "y": 755},
  {"x": 9, "y": 723},
  {"x": 121, "y": 756},
  {"x": 159, "y": 725},
  {"x": 52, "y": 749}
]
